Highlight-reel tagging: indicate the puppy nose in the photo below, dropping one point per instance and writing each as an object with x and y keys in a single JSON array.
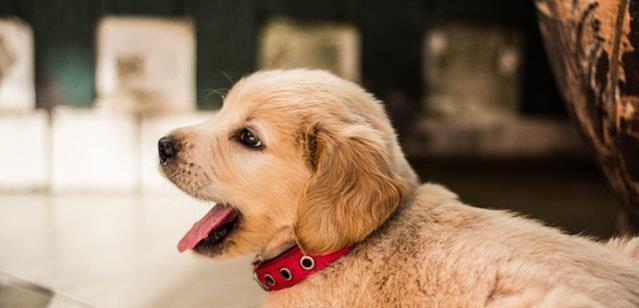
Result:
[{"x": 167, "y": 148}]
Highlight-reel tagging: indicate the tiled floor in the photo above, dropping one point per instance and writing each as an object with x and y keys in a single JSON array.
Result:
[{"x": 117, "y": 251}]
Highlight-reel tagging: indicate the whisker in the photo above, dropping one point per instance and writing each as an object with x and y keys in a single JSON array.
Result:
[
  {"x": 231, "y": 82},
  {"x": 221, "y": 93}
]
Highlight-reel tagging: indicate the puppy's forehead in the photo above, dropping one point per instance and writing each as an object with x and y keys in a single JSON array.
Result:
[
  {"x": 253, "y": 107},
  {"x": 263, "y": 98},
  {"x": 294, "y": 98}
]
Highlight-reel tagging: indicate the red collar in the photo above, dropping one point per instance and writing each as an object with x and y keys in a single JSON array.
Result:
[{"x": 291, "y": 267}]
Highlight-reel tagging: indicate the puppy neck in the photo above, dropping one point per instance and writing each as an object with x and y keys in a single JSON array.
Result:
[{"x": 283, "y": 240}]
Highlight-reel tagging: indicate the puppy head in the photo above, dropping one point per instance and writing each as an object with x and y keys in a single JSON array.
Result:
[{"x": 299, "y": 156}]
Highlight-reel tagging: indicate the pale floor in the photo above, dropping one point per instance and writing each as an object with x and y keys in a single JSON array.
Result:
[{"x": 111, "y": 250}]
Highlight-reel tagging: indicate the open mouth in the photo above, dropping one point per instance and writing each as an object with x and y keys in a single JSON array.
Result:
[{"x": 212, "y": 229}]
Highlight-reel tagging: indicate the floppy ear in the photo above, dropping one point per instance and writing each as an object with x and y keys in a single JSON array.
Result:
[{"x": 352, "y": 191}]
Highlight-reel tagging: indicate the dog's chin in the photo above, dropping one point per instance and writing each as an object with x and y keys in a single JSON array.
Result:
[{"x": 220, "y": 240}]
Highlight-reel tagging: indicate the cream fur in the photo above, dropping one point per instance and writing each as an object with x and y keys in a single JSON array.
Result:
[
  {"x": 332, "y": 174},
  {"x": 438, "y": 252}
]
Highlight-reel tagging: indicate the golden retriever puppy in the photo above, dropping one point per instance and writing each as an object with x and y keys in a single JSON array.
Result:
[{"x": 304, "y": 159}]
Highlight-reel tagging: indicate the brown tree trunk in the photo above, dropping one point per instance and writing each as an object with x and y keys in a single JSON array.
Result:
[{"x": 593, "y": 46}]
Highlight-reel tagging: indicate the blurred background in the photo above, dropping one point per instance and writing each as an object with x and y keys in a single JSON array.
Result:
[{"x": 88, "y": 87}]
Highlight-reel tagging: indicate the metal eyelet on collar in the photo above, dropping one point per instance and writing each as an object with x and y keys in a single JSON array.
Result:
[
  {"x": 269, "y": 279},
  {"x": 286, "y": 274},
  {"x": 307, "y": 263},
  {"x": 265, "y": 287}
]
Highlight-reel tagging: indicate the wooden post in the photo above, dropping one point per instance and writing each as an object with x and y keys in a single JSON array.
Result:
[{"x": 593, "y": 47}]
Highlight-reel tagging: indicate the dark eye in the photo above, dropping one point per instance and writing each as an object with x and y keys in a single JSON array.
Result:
[{"x": 248, "y": 139}]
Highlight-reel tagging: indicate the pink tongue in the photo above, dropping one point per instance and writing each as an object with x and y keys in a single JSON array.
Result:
[{"x": 217, "y": 216}]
